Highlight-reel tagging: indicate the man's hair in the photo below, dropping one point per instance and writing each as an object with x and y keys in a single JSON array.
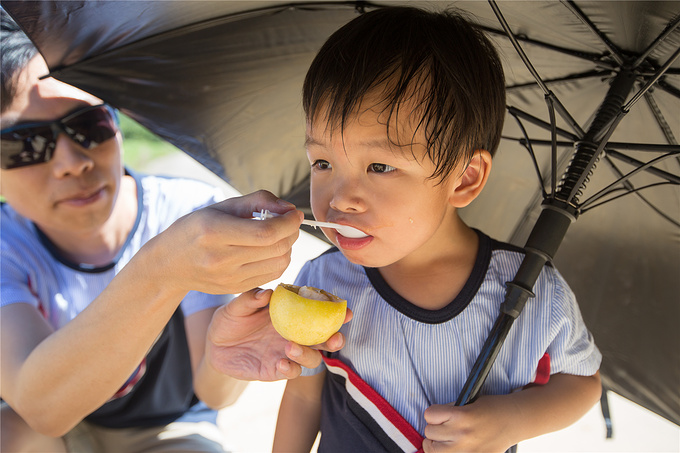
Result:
[
  {"x": 16, "y": 50},
  {"x": 442, "y": 58}
]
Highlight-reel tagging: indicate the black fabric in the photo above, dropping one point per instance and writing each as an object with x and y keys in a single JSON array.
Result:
[
  {"x": 345, "y": 426},
  {"x": 165, "y": 391}
]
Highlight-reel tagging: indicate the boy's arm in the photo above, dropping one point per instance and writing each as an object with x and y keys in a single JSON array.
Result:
[
  {"x": 298, "y": 421},
  {"x": 497, "y": 422}
]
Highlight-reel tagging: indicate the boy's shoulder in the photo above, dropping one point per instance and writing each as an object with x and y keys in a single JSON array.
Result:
[
  {"x": 506, "y": 249},
  {"x": 504, "y": 246}
]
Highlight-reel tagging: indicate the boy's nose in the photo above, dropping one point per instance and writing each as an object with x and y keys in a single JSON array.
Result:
[
  {"x": 348, "y": 196},
  {"x": 69, "y": 158}
]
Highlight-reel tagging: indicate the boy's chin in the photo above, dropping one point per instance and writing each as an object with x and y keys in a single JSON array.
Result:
[{"x": 364, "y": 259}]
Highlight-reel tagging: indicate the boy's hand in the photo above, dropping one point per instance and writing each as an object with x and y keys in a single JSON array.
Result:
[
  {"x": 476, "y": 427},
  {"x": 242, "y": 342}
]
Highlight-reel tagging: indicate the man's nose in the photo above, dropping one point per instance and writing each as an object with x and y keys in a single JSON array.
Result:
[{"x": 69, "y": 158}]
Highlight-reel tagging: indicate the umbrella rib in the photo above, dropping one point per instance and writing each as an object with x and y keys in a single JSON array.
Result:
[
  {"x": 613, "y": 49},
  {"x": 660, "y": 119},
  {"x": 674, "y": 179},
  {"x": 664, "y": 34},
  {"x": 269, "y": 9},
  {"x": 648, "y": 85},
  {"x": 630, "y": 189},
  {"x": 588, "y": 56},
  {"x": 564, "y": 113},
  {"x": 527, "y": 145},
  {"x": 625, "y": 178},
  {"x": 579, "y": 76},
  {"x": 670, "y": 89},
  {"x": 644, "y": 200},
  {"x": 539, "y": 122},
  {"x": 649, "y": 147},
  {"x": 553, "y": 146}
]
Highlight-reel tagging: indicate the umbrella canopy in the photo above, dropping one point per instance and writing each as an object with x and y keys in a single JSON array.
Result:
[{"x": 222, "y": 81}]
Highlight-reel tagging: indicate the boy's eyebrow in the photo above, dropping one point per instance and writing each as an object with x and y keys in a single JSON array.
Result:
[
  {"x": 311, "y": 141},
  {"x": 382, "y": 143}
]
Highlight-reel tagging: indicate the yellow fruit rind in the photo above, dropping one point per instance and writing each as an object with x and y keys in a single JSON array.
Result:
[{"x": 305, "y": 321}]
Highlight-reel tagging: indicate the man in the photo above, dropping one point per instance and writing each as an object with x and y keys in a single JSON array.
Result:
[{"x": 115, "y": 333}]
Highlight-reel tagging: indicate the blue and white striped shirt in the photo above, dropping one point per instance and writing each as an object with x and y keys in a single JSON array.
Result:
[
  {"x": 33, "y": 271},
  {"x": 416, "y": 358}
]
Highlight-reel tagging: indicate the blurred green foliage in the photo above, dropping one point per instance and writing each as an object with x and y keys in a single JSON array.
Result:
[{"x": 141, "y": 145}]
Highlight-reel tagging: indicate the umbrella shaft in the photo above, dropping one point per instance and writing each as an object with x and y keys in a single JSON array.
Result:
[{"x": 588, "y": 149}]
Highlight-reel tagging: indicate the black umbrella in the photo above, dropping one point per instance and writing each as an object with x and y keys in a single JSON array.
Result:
[{"x": 590, "y": 84}]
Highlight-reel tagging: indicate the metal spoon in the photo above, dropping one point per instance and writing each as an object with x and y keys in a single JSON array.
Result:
[{"x": 345, "y": 230}]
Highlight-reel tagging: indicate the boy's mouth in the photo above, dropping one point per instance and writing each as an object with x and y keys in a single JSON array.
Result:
[{"x": 352, "y": 243}]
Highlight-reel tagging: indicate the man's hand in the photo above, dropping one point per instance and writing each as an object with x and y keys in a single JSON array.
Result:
[
  {"x": 243, "y": 344},
  {"x": 221, "y": 250}
]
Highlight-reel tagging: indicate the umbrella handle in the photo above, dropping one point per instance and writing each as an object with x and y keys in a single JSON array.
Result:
[{"x": 543, "y": 242}]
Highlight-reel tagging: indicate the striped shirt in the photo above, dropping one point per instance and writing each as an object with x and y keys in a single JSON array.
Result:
[
  {"x": 32, "y": 271},
  {"x": 415, "y": 358}
]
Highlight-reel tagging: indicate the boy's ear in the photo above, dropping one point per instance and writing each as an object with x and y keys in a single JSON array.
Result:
[{"x": 473, "y": 179}]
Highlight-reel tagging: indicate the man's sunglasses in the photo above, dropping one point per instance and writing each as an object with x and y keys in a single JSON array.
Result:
[{"x": 34, "y": 143}]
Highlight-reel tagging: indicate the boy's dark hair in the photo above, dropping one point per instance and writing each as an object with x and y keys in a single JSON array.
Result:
[
  {"x": 16, "y": 50},
  {"x": 441, "y": 57}
]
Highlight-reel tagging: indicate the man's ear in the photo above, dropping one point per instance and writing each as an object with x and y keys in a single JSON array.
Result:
[{"x": 473, "y": 179}]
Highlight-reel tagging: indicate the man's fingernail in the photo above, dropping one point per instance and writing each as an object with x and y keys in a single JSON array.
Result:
[
  {"x": 284, "y": 366},
  {"x": 284, "y": 203}
]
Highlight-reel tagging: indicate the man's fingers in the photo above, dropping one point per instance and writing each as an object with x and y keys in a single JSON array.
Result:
[
  {"x": 249, "y": 302},
  {"x": 245, "y": 205},
  {"x": 286, "y": 369},
  {"x": 247, "y": 232}
]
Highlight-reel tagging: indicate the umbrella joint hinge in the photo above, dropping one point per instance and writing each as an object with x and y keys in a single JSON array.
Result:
[
  {"x": 542, "y": 254},
  {"x": 516, "y": 296},
  {"x": 563, "y": 207}
]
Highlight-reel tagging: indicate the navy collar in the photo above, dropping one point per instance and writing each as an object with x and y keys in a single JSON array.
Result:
[{"x": 456, "y": 306}]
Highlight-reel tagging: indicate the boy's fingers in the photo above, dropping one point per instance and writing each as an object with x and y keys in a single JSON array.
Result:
[
  {"x": 431, "y": 446},
  {"x": 438, "y": 414},
  {"x": 348, "y": 316},
  {"x": 303, "y": 355},
  {"x": 337, "y": 340},
  {"x": 438, "y": 433}
]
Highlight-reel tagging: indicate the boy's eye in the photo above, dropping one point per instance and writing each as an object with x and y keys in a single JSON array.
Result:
[
  {"x": 381, "y": 168},
  {"x": 321, "y": 164}
]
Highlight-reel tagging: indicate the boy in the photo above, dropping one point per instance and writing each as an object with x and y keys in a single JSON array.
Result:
[{"x": 404, "y": 111}]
